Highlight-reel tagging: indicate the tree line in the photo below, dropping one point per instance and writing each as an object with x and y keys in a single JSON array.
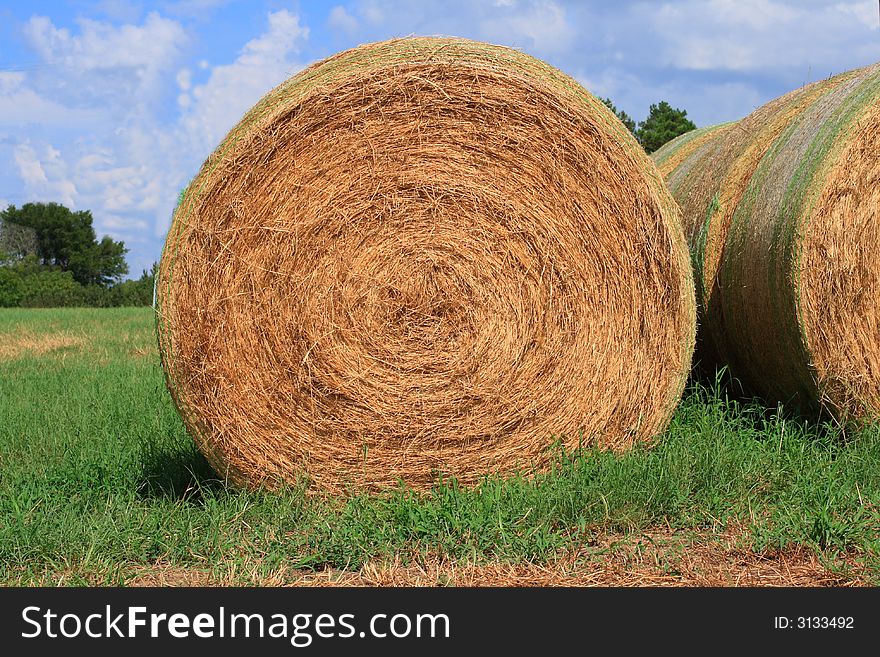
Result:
[{"x": 50, "y": 256}]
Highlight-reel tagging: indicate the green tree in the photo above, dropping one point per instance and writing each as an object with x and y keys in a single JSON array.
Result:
[
  {"x": 50, "y": 288},
  {"x": 10, "y": 288},
  {"x": 625, "y": 118},
  {"x": 135, "y": 292},
  {"x": 663, "y": 124},
  {"x": 16, "y": 242},
  {"x": 30, "y": 284},
  {"x": 102, "y": 263},
  {"x": 66, "y": 240}
]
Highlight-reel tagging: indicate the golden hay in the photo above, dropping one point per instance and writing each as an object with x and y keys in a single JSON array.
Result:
[
  {"x": 783, "y": 217},
  {"x": 423, "y": 257}
]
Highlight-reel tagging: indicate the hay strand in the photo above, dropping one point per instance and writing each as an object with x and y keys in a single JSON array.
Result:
[
  {"x": 423, "y": 257},
  {"x": 783, "y": 231}
]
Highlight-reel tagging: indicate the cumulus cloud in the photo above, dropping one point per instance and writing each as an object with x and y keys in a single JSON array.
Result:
[
  {"x": 864, "y": 12},
  {"x": 97, "y": 85},
  {"x": 184, "y": 78},
  {"x": 541, "y": 26},
  {"x": 341, "y": 20},
  {"x": 44, "y": 174},
  {"x": 719, "y": 59},
  {"x": 115, "y": 223},
  {"x": 233, "y": 88},
  {"x": 373, "y": 13},
  {"x": 130, "y": 164},
  {"x": 20, "y": 105},
  {"x": 10, "y": 81},
  {"x": 103, "y": 61},
  {"x": 751, "y": 35}
]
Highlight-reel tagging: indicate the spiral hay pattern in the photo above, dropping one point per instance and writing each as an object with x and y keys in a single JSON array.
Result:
[
  {"x": 782, "y": 214},
  {"x": 423, "y": 257}
]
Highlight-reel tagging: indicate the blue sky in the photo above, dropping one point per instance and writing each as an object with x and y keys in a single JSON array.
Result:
[{"x": 112, "y": 105}]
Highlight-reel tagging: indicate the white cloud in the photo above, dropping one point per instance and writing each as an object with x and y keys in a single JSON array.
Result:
[
  {"x": 104, "y": 61},
  {"x": 149, "y": 162},
  {"x": 752, "y": 14},
  {"x": 184, "y": 83},
  {"x": 44, "y": 175},
  {"x": 151, "y": 46},
  {"x": 374, "y": 14},
  {"x": 752, "y": 35},
  {"x": 342, "y": 21},
  {"x": 106, "y": 84},
  {"x": 184, "y": 79},
  {"x": 232, "y": 89},
  {"x": 129, "y": 169},
  {"x": 541, "y": 25},
  {"x": 29, "y": 166},
  {"x": 20, "y": 105},
  {"x": 119, "y": 186},
  {"x": 116, "y": 224},
  {"x": 706, "y": 104},
  {"x": 864, "y": 12},
  {"x": 710, "y": 104},
  {"x": 10, "y": 81}
]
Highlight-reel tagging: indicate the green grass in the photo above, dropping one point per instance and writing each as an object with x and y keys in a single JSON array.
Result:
[{"x": 98, "y": 476}]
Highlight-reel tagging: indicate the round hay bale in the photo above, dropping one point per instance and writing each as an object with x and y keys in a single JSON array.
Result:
[
  {"x": 782, "y": 217},
  {"x": 423, "y": 257}
]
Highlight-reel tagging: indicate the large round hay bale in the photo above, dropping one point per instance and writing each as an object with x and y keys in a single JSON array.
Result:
[
  {"x": 423, "y": 257},
  {"x": 782, "y": 214}
]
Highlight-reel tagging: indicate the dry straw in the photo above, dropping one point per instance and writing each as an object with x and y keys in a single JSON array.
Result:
[
  {"x": 782, "y": 213},
  {"x": 423, "y": 257}
]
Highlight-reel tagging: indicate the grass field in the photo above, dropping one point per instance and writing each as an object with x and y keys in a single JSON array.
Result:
[{"x": 100, "y": 484}]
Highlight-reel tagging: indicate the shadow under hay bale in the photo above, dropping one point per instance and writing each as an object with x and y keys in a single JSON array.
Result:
[
  {"x": 178, "y": 475},
  {"x": 423, "y": 256}
]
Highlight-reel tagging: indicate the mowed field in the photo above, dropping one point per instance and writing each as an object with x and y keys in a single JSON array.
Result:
[{"x": 101, "y": 485}]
